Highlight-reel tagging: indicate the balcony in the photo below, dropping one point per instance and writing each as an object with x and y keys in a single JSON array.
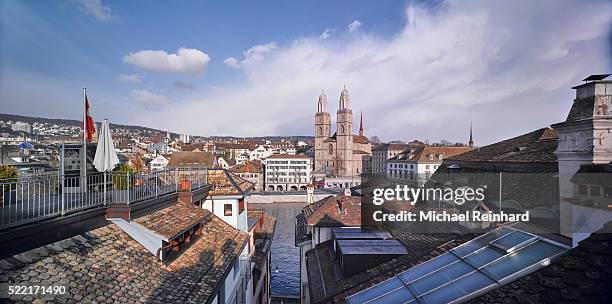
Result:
[{"x": 30, "y": 199}]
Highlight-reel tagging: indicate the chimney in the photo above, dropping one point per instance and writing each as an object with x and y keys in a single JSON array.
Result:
[
  {"x": 347, "y": 192},
  {"x": 310, "y": 193},
  {"x": 585, "y": 137}
]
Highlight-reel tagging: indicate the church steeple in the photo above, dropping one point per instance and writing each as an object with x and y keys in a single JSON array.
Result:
[
  {"x": 471, "y": 142},
  {"x": 322, "y": 104},
  {"x": 361, "y": 123},
  {"x": 344, "y": 103}
]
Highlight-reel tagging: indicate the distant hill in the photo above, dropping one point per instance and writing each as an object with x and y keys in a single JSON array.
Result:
[
  {"x": 66, "y": 122},
  {"x": 139, "y": 129}
]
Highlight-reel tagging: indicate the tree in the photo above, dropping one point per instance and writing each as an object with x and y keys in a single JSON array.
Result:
[
  {"x": 122, "y": 177},
  {"x": 375, "y": 139},
  {"x": 7, "y": 172}
]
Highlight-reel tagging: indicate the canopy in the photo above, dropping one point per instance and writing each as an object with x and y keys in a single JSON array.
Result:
[{"x": 106, "y": 158}]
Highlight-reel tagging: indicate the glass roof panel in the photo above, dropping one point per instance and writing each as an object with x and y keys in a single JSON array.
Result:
[
  {"x": 399, "y": 296},
  {"x": 523, "y": 258},
  {"x": 484, "y": 256},
  {"x": 428, "y": 267},
  {"x": 480, "y": 242},
  {"x": 376, "y": 291},
  {"x": 463, "y": 289},
  {"x": 440, "y": 277},
  {"x": 513, "y": 241}
]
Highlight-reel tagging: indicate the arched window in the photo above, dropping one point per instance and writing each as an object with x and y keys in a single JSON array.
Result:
[
  {"x": 320, "y": 131},
  {"x": 343, "y": 130},
  {"x": 331, "y": 149}
]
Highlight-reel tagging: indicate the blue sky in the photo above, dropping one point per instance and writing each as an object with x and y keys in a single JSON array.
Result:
[{"x": 417, "y": 69}]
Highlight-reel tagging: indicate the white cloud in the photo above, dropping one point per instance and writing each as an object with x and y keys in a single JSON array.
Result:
[
  {"x": 130, "y": 78},
  {"x": 326, "y": 34},
  {"x": 353, "y": 26},
  {"x": 94, "y": 8},
  {"x": 506, "y": 66},
  {"x": 181, "y": 85},
  {"x": 148, "y": 100},
  {"x": 232, "y": 62},
  {"x": 185, "y": 61},
  {"x": 252, "y": 56}
]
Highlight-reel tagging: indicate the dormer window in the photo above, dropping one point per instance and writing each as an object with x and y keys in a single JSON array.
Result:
[
  {"x": 440, "y": 156},
  {"x": 227, "y": 209},
  {"x": 430, "y": 156}
]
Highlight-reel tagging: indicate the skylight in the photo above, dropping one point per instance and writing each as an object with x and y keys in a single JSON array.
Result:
[{"x": 467, "y": 271}]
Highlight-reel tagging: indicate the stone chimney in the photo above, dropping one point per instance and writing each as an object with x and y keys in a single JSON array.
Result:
[{"x": 585, "y": 137}]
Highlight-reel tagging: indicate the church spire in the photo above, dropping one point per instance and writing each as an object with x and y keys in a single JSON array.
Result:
[
  {"x": 471, "y": 142},
  {"x": 361, "y": 123}
]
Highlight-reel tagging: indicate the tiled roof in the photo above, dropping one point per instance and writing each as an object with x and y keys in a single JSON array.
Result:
[
  {"x": 393, "y": 147},
  {"x": 106, "y": 265},
  {"x": 264, "y": 233},
  {"x": 336, "y": 211},
  {"x": 186, "y": 159},
  {"x": 536, "y": 146},
  {"x": 253, "y": 166},
  {"x": 583, "y": 275},
  {"x": 226, "y": 183},
  {"x": 421, "y": 153},
  {"x": 172, "y": 221},
  {"x": 361, "y": 139}
]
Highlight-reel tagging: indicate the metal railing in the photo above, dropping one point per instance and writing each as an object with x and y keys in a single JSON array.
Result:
[{"x": 32, "y": 198}]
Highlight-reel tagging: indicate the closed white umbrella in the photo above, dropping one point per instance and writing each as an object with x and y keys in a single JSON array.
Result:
[{"x": 106, "y": 158}]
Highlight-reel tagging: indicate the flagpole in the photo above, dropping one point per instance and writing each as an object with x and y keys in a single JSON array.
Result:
[{"x": 84, "y": 158}]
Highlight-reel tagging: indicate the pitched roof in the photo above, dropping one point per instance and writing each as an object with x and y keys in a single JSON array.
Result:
[
  {"x": 393, "y": 146},
  {"x": 535, "y": 146},
  {"x": 106, "y": 264},
  {"x": 328, "y": 284},
  {"x": 252, "y": 166},
  {"x": 226, "y": 183},
  {"x": 167, "y": 224},
  {"x": 421, "y": 154},
  {"x": 335, "y": 211},
  {"x": 264, "y": 233},
  {"x": 361, "y": 139},
  {"x": 186, "y": 159}
]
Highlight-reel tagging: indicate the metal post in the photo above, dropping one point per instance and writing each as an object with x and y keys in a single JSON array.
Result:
[
  {"x": 156, "y": 181},
  {"x": 500, "y": 190},
  {"x": 62, "y": 178},
  {"x": 128, "y": 187},
  {"x": 104, "y": 188}
]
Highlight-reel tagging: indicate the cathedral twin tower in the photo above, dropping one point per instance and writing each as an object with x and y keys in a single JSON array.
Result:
[{"x": 341, "y": 154}]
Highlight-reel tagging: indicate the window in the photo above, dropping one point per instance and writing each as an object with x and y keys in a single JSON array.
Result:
[
  {"x": 582, "y": 189},
  {"x": 227, "y": 209},
  {"x": 331, "y": 149},
  {"x": 608, "y": 192},
  {"x": 595, "y": 191}
]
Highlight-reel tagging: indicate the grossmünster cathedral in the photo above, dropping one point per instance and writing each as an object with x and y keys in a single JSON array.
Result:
[{"x": 342, "y": 154}]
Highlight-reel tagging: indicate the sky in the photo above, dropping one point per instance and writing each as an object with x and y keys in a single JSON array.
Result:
[{"x": 416, "y": 69}]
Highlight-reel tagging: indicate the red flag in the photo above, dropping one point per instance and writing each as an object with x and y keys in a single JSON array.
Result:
[{"x": 90, "y": 128}]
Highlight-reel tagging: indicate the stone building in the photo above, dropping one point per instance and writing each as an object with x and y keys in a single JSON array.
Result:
[{"x": 342, "y": 154}]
